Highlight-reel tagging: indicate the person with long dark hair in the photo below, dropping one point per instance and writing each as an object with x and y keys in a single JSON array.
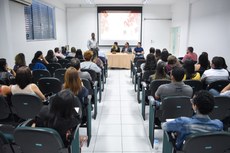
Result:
[
  {"x": 150, "y": 63},
  {"x": 39, "y": 61},
  {"x": 23, "y": 84},
  {"x": 203, "y": 62},
  {"x": 190, "y": 73},
  {"x": 50, "y": 57},
  {"x": 5, "y": 72}
]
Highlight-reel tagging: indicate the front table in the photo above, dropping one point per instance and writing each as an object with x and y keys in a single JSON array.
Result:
[{"x": 119, "y": 60}]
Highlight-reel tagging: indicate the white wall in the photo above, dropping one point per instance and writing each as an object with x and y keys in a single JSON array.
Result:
[
  {"x": 16, "y": 33},
  {"x": 156, "y": 27},
  {"x": 81, "y": 22},
  {"x": 210, "y": 27},
  {"x": 180, "y": 18}
]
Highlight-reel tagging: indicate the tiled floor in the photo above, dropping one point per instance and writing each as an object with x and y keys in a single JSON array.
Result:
[{"x": 119, "y": 127}]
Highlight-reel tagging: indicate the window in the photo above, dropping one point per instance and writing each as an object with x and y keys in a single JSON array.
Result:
[{"x": 39, "y": 21}]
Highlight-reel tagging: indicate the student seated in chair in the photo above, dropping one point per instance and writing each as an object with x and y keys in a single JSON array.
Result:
[
  {"x": 202, "y": 104},
  {"x": 62, "y": 116}
]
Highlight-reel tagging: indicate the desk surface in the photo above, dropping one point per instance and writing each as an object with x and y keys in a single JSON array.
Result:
[{"x": 119, "y": 60}]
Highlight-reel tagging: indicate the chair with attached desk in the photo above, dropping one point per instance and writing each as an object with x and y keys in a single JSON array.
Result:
[
  {"x": 170, "y": 108},
  {"x": 210, "y": 142},
  {"x": 44, "y": 140},
  {"x": 148, "y": 90}
]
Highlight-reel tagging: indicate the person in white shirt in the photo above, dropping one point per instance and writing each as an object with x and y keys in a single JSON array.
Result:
[
  {"x": 217, "y": 72},
  {"x": 88, "y": 64},
  {"x": 92, "y": 43},
  {"x": 58, "y": 53}
]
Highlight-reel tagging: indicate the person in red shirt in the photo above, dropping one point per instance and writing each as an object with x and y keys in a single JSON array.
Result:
[{"x": 190, "y": 55}]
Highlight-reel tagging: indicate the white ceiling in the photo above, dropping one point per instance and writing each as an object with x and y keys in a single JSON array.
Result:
[{"x": 117, "y": 2}]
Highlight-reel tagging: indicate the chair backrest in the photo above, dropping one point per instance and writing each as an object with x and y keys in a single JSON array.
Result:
[
  {"x": 4, "y": 108},
  {"x": 38, "y": 140},
  {"x": 215, "y": 142},
  {"x": 218, "y": 85},
  {"x": 52, "y": 67},
  {"x": 49, "y": 85},
  {"x": 5, "y": 146},
  {"x": 175, "y": 106},
  {"x": 221, "y": 109},
  {"x": 88, "y": 85},
  {"x": 146, "y": 75},
  {"x": 92, "y": 73},
  {"x": 63, "y": 62},
  {"x": 26, "y": 106},
  {"x": 195, "y": 84},
  {"x": 69, "y": 58},
  {"x": 3, "y": 82},
  {"x": 60, "y": 74},
  {"x": 155, "y": 84},
  {"x": 37, "y": 74}
]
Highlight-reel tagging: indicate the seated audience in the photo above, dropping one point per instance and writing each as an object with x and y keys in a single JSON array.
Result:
[
  {"x": 203, "y": 62},
  {"x": 74, "y": 62},
  {"x": 150, "y": 63},
  {"x": 138, "y": 51},
  {"x": 152, "y": 50},
  {"x": 5, "y": 72},
  {"x": 190, "y": 73},
  {"x": 160, "y": 72},
  {"x": 97, "y": 60},
  {"x": 217, "y": 72},
  {"x": 73, "y": 82},
  {"x": 158, "y": 54},
  {"x": 23, "y": 84},
  {"x": 164, "y": 57},
  {"x": 88, "y": 64},
  {"x": 61, "y": 116},
  {"x": 190, "y": 55},
  {"x": 19, "y": 61},
  {"x": 39, "y": 61},
  {"x": 50, "y": 57},
  {"x": 202, "y": 104},
  {"x": 58, "y": 53},
  {"x": 176, "y": 87},
  {"x": 126, "y": 48},
  {"x": 72, "y": 52},
  {"x": 224, "y": 92},
  {"x": 79, "y": 54},
  {"x": 115, "y": 47},
  {"x": 172, "y": 62}
]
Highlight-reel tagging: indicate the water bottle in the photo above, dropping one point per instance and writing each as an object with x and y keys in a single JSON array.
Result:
[{"x": 156, "y": 144}]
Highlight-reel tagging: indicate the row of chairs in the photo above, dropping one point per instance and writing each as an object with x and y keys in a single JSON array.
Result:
[
  {"x": 177, "y": 106},
  {"x": 28, "y": 139}
]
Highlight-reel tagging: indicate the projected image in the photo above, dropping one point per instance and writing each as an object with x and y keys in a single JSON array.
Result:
[{"x": 120, "y": 26}]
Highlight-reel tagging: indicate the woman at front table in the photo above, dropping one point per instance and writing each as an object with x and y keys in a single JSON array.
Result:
[
  {"x": 126, "y": 48},
  {"x": 115, "y": 47},
  {"x": 139, "y": 51}
]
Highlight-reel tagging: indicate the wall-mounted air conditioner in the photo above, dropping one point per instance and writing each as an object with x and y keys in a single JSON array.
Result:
[{"x": 24, "y": 2}]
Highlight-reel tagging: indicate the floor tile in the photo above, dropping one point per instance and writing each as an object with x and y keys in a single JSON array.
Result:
[
  {"x": 106, "y": 144},
  {"x": 133, "y": 130},
  {"x": 135, "y": 144},
  {"x": 109, "y": 130},
  {"x": 131, "y": 119},
  {"x": 110, "y": 119}
]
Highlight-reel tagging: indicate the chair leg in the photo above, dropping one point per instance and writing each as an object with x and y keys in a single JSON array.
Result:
[
  {"x": 151, "y": 125},
  {"x": 167, "y": 146},
  {"x": 89, "y": 129},
  {"x": 95, "y": 103},
  {"x": 138, "y": 90},
  {"x": 143, "y": 103}
]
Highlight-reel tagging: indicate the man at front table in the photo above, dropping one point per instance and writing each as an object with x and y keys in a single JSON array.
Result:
[
  {"x": 126, "y": 48},
  {"x": 139, "y": 51}
]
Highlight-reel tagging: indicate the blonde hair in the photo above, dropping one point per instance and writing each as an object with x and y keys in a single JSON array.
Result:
[
  {"x": 72, "y": 80},
  {"x": 88, "y": 55}
]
